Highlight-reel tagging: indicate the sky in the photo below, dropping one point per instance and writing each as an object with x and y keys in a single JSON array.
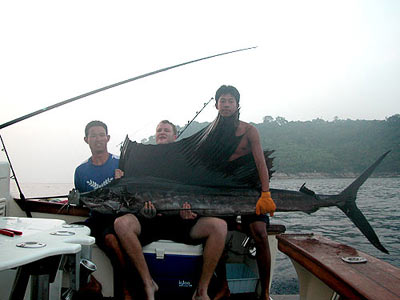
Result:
[{"x": 314, "y": 59}]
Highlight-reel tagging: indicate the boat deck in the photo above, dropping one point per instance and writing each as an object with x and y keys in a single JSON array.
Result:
[
  {"x": 252, "y": 296},
  {"x": 349, "y": 272},
  {"x": 285, "y": 297}
]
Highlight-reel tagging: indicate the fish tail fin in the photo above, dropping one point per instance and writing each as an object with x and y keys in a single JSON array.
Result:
[{"x": 351, "y": 210}]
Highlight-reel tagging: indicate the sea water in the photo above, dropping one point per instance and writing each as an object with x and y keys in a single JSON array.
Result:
[{"x": 378, "y": 199}]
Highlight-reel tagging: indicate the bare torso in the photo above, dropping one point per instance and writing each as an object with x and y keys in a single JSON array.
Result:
[
  {"x": 244, "y": 146},
  {"x": 250, "y": 143}
]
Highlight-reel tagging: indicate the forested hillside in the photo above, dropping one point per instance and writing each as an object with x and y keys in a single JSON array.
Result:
[{"x": 339, "y": 147}]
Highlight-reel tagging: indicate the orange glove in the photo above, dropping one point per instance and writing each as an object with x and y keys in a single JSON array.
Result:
[{"x": 265, "y": 204}]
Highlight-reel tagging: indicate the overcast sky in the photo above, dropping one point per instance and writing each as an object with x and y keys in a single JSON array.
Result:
[{"x": 315, "y": 59}]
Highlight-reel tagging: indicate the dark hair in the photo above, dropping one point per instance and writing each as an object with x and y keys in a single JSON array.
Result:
[
  {"x": 172, "y": 125},
  {"x": 95, "y": 123},
  {"x": 227, "y": 89}
]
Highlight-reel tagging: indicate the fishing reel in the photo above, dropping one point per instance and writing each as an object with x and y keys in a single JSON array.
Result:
[
  {"x": 250, "y": 245},
  {"x": 73, "y": 197},
  {"x": 247, "y": 243},
  {"x": 86, "y": 268}
]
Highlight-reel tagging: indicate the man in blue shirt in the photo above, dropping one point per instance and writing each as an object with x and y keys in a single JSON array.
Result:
[
  {"x": 96, "y": 172},
  {"x": 99, "y": 169}
]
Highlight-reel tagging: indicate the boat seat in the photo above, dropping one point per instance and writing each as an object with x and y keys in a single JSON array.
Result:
[{"x": 323, "y": 260}]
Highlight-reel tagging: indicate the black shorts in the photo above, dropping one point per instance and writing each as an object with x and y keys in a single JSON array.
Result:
[
  {"x": 167, "y": 228},
  {"x": 245, "y": 221},
  {"x": 100, "y": 225}
]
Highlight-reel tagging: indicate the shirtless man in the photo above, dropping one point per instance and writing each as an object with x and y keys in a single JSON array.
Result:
[
  {"x": 227, "y": 103},
  {"x": 131, "y": 230}
]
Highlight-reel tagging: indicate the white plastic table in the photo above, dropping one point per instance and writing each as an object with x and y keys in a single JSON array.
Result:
[{"x": 41, "y": 245}]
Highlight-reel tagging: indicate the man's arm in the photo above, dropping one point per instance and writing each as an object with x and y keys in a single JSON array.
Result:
[
  {"x": 265, "y": 204},
  {"x": 186, "y": 212},
  {"x": 259, "y": 159},
  {"x": 118, "y": 173},
  {"x": 78, "y": 181}
]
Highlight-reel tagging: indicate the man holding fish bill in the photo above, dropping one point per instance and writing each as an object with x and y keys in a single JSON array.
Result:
[{"x": 96, "y": 172}]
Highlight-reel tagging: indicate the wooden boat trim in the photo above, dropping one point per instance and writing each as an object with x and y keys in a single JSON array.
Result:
[
  {"x": 374, "y": 279},
  {"x": 48, "y": 207}
]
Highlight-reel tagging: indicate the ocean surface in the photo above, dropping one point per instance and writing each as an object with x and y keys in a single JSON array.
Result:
[{"x": 378, "y": 199}]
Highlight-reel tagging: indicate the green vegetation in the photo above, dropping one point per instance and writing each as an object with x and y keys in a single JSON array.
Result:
[{"x": 339, "y": 147}]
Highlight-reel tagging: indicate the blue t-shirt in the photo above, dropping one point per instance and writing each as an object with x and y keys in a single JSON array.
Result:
[{"x": 89, "y": 176}]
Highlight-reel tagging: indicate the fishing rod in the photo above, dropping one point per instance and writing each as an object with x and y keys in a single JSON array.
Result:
[
  {"x": 13, "y": 176},
  {"x": 27, "y": 116},
  {"x": 197, "y": 113},
  {"x": 188, "y": 123}
]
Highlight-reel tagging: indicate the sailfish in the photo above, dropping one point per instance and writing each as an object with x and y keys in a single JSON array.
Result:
[{"x": 197, "y": 170}]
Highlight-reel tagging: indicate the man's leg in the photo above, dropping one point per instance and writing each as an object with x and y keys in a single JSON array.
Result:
[
  {"x": 258, "y": 231},
  {"x": 128, "y": 229},
  {"x": 102, "y": 228},
  {"x": 117, "y": 257},
  {"x": 223, "y": 291},
  {"x": 214, "y": 230}
]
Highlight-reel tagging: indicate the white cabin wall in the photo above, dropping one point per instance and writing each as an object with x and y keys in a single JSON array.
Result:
[{"x": 4, "y": 187}]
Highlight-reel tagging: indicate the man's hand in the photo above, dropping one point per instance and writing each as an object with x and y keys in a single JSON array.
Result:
[
  {"x": 118, "y": 173},
  {"x": 148, "y": 210},
  {"x": 186, "y": 213},
  {"x": 265, "y": 204}
]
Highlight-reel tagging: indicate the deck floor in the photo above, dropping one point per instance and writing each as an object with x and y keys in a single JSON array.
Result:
[
  {"x": 285, "y": 297},
  {"x": 252, "y": 296}
]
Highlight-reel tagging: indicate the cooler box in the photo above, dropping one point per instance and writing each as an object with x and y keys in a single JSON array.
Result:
[{"x": 175, "y": 267}]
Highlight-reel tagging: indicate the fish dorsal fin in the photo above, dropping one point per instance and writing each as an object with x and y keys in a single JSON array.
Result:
[{"x": 201, "y": 159}]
